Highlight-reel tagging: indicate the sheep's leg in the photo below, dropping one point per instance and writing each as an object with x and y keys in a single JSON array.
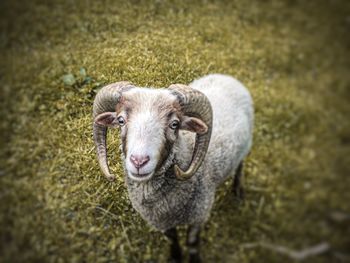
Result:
[
  {"x": 237, "y": 188},
  {"x": 175, "y": 249},
  {"x": 193, "y": 240}
]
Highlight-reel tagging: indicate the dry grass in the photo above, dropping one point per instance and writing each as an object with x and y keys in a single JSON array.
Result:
[{"x": 55, "y": 205}]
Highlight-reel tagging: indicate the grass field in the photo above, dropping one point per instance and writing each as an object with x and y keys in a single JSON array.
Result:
[{"x": 55, "y": 205}]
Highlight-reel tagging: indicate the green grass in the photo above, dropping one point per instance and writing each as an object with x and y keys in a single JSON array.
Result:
[{"x": 55, "y": 205}]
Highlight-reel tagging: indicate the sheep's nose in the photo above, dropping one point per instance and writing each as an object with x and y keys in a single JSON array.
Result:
[{"x": 139, "y": 161}]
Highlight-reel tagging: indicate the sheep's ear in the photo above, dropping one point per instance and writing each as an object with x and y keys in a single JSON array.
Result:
[
  {"x": 193, "y": 125},
  {"x": 108, "y": 119}
]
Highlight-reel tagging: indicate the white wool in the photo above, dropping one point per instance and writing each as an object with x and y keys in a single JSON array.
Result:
[{"x": 233, "y": 119}]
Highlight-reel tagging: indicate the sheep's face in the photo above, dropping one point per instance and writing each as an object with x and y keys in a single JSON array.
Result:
[{"x": 149, "y": 121}]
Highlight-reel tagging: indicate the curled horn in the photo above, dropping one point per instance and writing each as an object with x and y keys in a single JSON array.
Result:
[
  {"x": 106, "y": 100},
  {"x": 194, "y": 104}
]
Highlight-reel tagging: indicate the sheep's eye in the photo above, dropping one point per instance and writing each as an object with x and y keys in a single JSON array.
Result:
[
  {"x": 174, "y": 125},
  {"x": 121, "y": 121}
]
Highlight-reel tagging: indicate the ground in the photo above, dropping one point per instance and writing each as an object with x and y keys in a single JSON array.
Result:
[{"x": 293, "y": 56}]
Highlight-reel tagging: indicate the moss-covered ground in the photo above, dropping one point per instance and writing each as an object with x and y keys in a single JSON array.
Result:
[{"x": 55, "y": 206}]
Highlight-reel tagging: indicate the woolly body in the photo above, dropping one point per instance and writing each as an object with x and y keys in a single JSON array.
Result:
[{"x": 166, "y": 202}]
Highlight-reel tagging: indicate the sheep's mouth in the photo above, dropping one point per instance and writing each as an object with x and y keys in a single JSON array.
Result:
[{"x": 140, "y": 177}]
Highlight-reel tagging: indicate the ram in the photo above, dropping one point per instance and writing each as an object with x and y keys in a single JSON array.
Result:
[{"x": 179, "y": 144}]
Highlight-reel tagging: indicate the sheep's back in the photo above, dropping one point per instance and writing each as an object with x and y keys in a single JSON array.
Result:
[{"x": 232, "y": 124}]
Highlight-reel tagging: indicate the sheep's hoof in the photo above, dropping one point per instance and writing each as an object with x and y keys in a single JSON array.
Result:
[
  {"x": 175, "y": 254},
  {"x": 239, "y": 193},
  {"x": 237, "y": 188},
  {"x": 175, "y": 260},
  {"x": 195, "y": 258}
]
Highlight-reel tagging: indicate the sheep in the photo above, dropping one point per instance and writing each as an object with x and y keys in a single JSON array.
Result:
[{"x": 178, "y": 145}]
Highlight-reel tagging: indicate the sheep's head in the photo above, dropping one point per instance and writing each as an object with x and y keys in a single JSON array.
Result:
[{"x": 149, "y": 121}]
